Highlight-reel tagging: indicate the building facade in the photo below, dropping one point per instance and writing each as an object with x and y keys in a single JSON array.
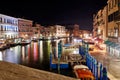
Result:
[
  {"x": 57, "y": 31},
  {"x": 100, "y": 24},
  {"x": 85, "y": 34},
  {"x": 76, "y": 30},
  {"x": 60, "y": 31},
  {"x": 36, "y": 31},
  {"x": 8, "y": 27},
  {"x": 54, "y": 31},
  {"x": 113, "y": 20},
  {"x": 46, "y": 32},
  {"x": 25, "y": 28}
]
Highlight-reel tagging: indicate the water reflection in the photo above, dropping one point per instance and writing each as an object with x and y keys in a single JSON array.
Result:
[
  {"x": 41, "y": 51},
  {"x": 35, "y": 55},
  {"x": 11, "y": 55},
  {"x": 46, "y": 55},
  {"x": 23, "y": 54},
  {"x": 35, "y": 52}
]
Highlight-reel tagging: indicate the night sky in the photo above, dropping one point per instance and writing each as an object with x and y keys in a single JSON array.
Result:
[{"x": 51, "y": 12}]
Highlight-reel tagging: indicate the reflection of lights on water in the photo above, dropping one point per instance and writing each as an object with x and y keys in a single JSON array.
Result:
[
  {"x": 28, "y": 52},
  {"x": 16, "y": 50},
  {"x": 1, "y": 56},
  {"x": 49, "y": 37},
  {"x": 23, "y": 50},
  {"x": 41, "y": 50},
  {"x": 11, "y": 49},
  {"x": 35, "y": 51},
  {"x": 23, "y": 53},
  {"x": 28, "y": 46},
  {"x": 49, "y": 41}
]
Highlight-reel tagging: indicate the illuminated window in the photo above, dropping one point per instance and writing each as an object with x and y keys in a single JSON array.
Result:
[
  {"x": 4, "y": 20},
  {"x": 116, "y": 32},
  {"x": 109, "y": 32}
]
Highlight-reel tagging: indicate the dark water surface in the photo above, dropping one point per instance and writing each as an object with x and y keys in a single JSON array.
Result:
[{"x": 35, "y": 55}]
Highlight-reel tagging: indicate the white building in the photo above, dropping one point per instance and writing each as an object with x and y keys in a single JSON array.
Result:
[
  {"x": 8, "y": 26},
  {"x": 55, "y": 31},
  {"x": 60, "y": 31}
]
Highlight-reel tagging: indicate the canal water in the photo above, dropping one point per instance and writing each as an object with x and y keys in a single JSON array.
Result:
[{"x": 35, "y": 55}]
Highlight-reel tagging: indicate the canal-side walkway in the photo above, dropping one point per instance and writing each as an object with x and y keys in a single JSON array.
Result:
[
  {"x": 10, "y": 71},
  {"x": 112, "y": 64}
]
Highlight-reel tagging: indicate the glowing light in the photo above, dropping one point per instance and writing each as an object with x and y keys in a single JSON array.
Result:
[
  {"x": 23, "y": 53},
  {"x": 35, "y": 51},
  {"x": 41, "y": 51},
  {"x": 74, "y": 52},
  {"x": 75, "y": 40},
  {"x": 11, "y": 49},
  {"x": 35, "y": 37},
  {"x": 26, "y": 35},
  {"x": 1, "y": 56}
]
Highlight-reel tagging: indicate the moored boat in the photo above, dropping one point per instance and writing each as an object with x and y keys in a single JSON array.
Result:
[
  {"x": 24, "y": 42},
  {"x": 82, "y": 72},
  {"x": 12, "y": 44},
  {"x": 4, "y": 46}
]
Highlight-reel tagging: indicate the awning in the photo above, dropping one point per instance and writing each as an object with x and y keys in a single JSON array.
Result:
[
  {"x": 111, "y": 44},
  {"x": 108, "y": 43},
  {"x": 114, "y": 44}
]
